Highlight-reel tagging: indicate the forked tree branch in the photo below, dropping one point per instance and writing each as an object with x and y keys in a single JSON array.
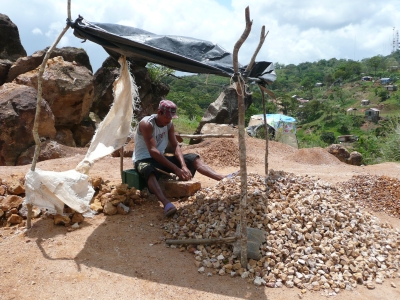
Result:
[
  {"x": 260, "y": 44},
  {"x": 242, "y": 145}
]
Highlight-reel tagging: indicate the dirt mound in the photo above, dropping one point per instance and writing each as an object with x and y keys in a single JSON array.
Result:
[
  {"x": 313, "y": 156},
  {"x": 219, "y": 152}
]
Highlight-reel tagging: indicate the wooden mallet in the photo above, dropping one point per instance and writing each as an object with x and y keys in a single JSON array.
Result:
[{"x": 172, "y": 175}]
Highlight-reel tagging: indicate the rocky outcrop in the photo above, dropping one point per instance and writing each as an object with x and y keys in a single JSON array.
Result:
[
  {"x": 224, "y": 110},
  {"x": 74, "y": 55},
  {"x": 353, "y": 158},
  {"x": 83, "y": 132},
  {"x": 150, "y": 93},
  {"x": 17, "y": 114},
  {"x": 68, "y": 88},
  {"x": 48, "y": 150},
  {"x": 5, "y": 66},
  {"x": 103, "y": 81},
  {"x": 339, "y": 151},
  {"x": 70, "y": 91},
  {"x": 10, "y": 43},
  {"x": 65, "y": 136}
]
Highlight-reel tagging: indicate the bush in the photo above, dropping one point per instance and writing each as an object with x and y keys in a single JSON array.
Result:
[
  {"x": 328, "y": 137},
  {"x": 344, "y": 129}
]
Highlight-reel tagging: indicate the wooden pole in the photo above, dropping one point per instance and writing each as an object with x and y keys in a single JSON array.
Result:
[
  {"x": 198, "y": 136},
  {"x": 121, "y": 161},
  {"x": 270, "y": 93},
  {"x": 242, "y": 145},
  {"x": 38, "y": 107},
  {"x": 202, "y": 241},
  {"x": 266, "y": 132},
  {"x": 249, "y": 66}
]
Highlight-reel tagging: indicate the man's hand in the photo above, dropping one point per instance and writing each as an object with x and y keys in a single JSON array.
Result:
[{"x": 183, "y": 174}]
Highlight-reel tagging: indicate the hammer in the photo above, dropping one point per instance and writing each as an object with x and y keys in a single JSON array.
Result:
[{"x": 172, "y": 175}]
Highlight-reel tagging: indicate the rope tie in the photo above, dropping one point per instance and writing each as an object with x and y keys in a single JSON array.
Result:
[{"x": 237, "y": 77}]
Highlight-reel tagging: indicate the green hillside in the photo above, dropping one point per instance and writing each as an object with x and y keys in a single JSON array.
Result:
[{"x": 334, "y": 90}]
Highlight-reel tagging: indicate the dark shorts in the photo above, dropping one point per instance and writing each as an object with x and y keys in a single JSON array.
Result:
[{"x": 147, "y": 166}]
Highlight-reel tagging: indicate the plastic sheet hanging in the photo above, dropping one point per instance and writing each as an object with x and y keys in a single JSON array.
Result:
[{"x": 52, "y": 190}]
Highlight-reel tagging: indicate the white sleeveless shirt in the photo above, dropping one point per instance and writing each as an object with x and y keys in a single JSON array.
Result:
[{"x": 160, "y": 135}]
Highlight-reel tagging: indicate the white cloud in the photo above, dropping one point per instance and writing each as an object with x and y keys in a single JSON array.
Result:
[
  {"x": 55, "y": 29},
  {"x": 299, "y": 30},
  {"x": 37, "y": 31}
]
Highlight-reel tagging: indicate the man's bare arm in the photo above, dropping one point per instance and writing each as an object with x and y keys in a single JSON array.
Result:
[{"x": 184, "y": 172}]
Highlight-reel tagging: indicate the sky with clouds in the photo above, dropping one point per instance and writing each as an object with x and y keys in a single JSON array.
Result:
[{"x": 299, "y": 30}]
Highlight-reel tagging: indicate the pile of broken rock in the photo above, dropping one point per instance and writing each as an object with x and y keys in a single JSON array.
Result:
[
  {"x": 317, "y": 236},
  {"x": 108, "y": 199}
]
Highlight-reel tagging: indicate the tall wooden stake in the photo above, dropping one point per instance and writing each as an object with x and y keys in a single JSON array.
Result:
[
  {"x": 38, "y": 107},
  {"x": 242, "y": 145},
  {"x": 121, "y": 162},
  {"x": 266, "y": 132},
  {"x": 249, "y": 66}
]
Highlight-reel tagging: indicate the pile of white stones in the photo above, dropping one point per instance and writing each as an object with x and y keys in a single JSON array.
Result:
[{"x": 317, "y": 236}]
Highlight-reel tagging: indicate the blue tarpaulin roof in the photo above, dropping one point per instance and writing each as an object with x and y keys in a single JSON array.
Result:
[{"x": 277, "y": 118}]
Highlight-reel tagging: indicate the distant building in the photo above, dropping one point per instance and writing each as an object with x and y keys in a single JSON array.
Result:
[
  {"x": 372, "y": 114},
  {"x": 385, "y": 80},
  {"x": 364, "y": 102},
  {"x": 319, "y": 84},
  {"x": 349, "y": 138},
  {"x": 301, "y": 100},
  {"x": 366, "y": 78},
  {"x": 391, "y": 87},
  {"x": 351, "y": 110}
]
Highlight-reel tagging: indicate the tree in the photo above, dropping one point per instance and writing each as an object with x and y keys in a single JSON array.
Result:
[
  {"x": 158, "y": 72},
  {"x": 340, "y": 74},
  {"x": 330, "y": 108},
  {"x": 392, "y": 64},
  {"x": 308, "y": 85},
  {"x": 288, "y": 104},
  {"x": 328, "y": 79},
  {"x": 374, "y": 62}
]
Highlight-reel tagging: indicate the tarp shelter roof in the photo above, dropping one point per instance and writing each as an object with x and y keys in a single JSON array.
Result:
[
  {"x": 275, "y": 117},
  {"x": 176, "y": 52},
  {"x": 273, "y": 120}
]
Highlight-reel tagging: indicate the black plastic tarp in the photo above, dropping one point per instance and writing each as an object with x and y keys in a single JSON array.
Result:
[{"x": 176, "y": 52}]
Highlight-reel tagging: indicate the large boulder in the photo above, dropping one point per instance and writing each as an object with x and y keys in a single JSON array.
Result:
[
  {"x": 17, "y": 115},
  {"x": 224, "y": 110},
  {"x": 65, "y": 136},
  {"x": 83, "y": 132},
  {"x": 103, "y": 81},
  {"x": 355, "y": 158},
  {"x": 339, "y": 151},
  {"x": 25, "y": 64},
  {"x": 150, "y": 93},
  {"x": 10, "y": 43},
  {"x": 48, "y": 150},
  {"x": 67, "y": 87},
  {"x": 5, "y": 66}
]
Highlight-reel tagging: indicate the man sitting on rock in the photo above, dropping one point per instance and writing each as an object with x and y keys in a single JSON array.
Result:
[{"x": 151, "y": 139}]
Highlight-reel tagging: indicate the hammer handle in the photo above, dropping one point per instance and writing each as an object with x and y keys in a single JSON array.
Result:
[{"x": 166, "y": 173}]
